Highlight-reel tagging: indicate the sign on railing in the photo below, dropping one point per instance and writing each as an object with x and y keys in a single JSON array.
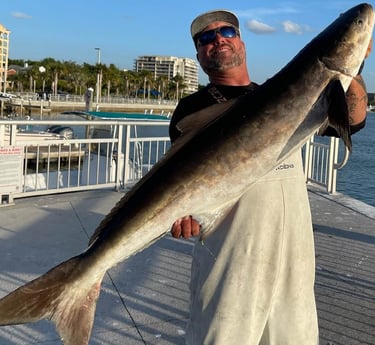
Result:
[{"x": 11, "y": 172}]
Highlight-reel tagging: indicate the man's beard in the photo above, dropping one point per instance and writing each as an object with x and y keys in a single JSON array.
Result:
[{"x": 217, "y": 62}]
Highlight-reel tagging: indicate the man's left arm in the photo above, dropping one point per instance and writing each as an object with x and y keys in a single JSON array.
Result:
[{"x": 356, "y": 99}]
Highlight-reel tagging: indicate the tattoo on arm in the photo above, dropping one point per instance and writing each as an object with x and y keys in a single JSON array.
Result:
[{"x": 355, "y": 99}]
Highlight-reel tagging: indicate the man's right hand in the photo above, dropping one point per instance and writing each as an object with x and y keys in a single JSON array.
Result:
[{"x": 185, "y": 227}]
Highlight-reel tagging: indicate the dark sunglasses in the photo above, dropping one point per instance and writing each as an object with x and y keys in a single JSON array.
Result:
[{"x": 209, "y": 36}]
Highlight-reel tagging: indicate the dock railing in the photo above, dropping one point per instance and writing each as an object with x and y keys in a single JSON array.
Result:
[
  {"x": 108, "y": 154},
  {"x": 101, "y": 154},
  {"x": 321, "y": 161}
]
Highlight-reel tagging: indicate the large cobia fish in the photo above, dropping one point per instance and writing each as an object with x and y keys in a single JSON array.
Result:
[{"x": 223, "y": 150}]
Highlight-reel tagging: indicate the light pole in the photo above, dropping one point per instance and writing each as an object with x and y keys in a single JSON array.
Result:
[
  {"x": 98, "y": 49},
  {"x": 42, "y": 70},
  {"x": 98, "y": 80}
]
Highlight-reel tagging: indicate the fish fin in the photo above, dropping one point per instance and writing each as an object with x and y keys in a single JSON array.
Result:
[
  {"x": 329, "y": 111},
  {"x": 58, "y": 296},
  {"x": 338, "y": 113}
]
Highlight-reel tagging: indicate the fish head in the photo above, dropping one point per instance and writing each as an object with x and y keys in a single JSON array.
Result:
[{"x": 348, "y": 39}]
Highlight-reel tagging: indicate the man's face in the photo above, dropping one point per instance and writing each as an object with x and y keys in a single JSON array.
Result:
[{"x": 222, "y": 53}]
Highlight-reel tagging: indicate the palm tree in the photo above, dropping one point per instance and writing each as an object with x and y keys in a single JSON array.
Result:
[
  {"x": 115, "y": 78},
  {"x": 162, "y": 82},
  {"x": 180, "y": 85},
  {"x": 89, "y": 72},
  {"x": 145, "y": 78},
  {"x": 131, "y": 83},
  {"x": 52, "y": 70},
  {"x": 72, "y": 78}
]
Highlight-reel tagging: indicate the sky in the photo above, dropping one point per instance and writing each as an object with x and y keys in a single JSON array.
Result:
[{"x": 70, "y": 30}]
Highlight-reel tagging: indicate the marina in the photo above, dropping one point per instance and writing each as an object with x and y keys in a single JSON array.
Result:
[{"x": 57, "y": 188}]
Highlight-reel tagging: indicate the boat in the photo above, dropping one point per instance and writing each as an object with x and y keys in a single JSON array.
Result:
[
  {"x": 102, "y": 130},
  {"x": 26, "y": 136}
]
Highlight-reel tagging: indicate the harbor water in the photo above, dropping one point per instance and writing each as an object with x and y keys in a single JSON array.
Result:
[{"x": 356, "y": 178}]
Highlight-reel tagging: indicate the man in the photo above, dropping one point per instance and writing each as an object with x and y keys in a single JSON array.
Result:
[{"x": 253, "y": 278}]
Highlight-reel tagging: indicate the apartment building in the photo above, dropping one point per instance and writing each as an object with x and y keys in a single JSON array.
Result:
[
  {"x": 170, "y": 66},
  {"x": 4, "y": 53}
]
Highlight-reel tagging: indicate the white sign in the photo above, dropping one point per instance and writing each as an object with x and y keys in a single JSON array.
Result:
[{"x": 11, "y": 158}]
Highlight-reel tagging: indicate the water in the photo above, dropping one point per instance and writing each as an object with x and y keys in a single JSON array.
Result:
[{"x": 356, "y": 178}]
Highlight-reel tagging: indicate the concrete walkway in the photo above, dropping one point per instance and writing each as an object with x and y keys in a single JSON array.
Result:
[
  {"x": 145, "y": 299},
  {"x": 344, "y": 231}
]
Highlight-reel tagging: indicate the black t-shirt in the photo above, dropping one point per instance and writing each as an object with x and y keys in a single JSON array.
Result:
[{"x": 209, "y": 95}]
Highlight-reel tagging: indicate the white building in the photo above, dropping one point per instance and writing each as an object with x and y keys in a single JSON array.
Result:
[
  {"x": 4, "y": 53},
  {"x": 170, "y": 66}
]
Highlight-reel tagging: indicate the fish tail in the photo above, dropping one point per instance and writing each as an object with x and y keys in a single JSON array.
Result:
[{"x": 60, "y": 296}]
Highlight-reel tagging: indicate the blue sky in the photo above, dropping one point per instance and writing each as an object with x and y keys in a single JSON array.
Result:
[{"x": 70, "y": 30}]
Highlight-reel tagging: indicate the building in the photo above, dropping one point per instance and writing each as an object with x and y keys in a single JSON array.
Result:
[
  {"x": 170, "y": 66},
  {"x": 4, "y": 53}
]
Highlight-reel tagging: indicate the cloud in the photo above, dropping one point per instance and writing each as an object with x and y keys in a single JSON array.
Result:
[
  {"x": 257, "y": 25},
  {"x": 20, "y": 15},
  {"x": 294, "y": 28},
  {"x": 260, "y": 28}
]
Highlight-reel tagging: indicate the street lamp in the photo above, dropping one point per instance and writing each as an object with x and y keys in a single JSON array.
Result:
[
  {"x": 42, "y": 70},
  {"x": 98, "y": 81},
  {"x": 98, "y": 49}
]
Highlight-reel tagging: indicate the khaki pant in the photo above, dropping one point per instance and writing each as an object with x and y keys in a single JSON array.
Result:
[{"x": 253, "y": 277}]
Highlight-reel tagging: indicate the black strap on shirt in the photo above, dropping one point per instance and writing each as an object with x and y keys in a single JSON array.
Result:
[{"x": 216, "y": 94}]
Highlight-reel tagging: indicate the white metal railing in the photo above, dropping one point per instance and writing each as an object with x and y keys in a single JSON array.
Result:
[
  {"x": 105, "y": 154},
  {"x": 112, "y": 154},
  {"x": 321, "y": 161}
]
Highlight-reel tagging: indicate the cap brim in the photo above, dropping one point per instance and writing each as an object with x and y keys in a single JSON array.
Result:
[{"x": 205, "y": 19}]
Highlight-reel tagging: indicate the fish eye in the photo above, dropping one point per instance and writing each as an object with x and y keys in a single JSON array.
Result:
[{"x": 359, "y": 21}]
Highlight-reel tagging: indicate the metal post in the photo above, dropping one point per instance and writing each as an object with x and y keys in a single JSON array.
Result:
[
  {"x": 120, "y": 166},
  {"x": 332, "y": 161},
  {"x": 98, "y": 81},
  {"x": 308, "y": 158},
  {"x": 127, "y": 156}
]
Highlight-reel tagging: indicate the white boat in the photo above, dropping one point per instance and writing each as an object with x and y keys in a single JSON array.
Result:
[{"x": 24, "y": 136}]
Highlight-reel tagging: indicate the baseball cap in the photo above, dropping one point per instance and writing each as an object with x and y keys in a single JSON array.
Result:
[{"x": 207, "y": 18}]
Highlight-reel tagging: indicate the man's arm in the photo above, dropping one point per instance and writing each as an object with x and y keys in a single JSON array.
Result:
[{"x": 356, "y": 99}]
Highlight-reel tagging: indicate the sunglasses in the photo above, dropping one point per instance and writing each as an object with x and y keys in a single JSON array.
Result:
[{"x": 209, "y": 36}]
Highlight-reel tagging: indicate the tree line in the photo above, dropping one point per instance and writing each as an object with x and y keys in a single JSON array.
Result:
[{"x": 54, "y": 76}]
